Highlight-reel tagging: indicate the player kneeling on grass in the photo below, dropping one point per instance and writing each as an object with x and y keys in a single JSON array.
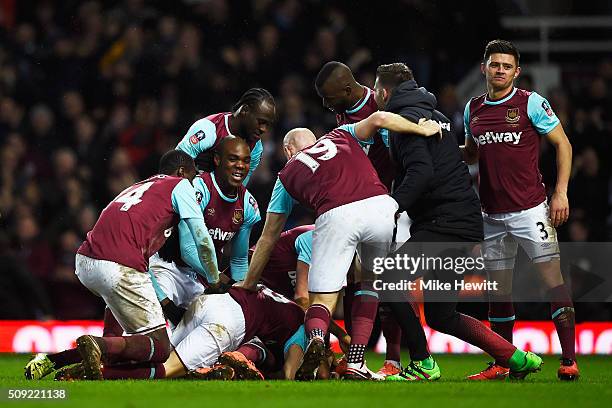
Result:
[{"x": 113, "y": 263}]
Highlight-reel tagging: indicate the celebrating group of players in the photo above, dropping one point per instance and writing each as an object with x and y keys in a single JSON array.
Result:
[{"x": 154, "y": 253}]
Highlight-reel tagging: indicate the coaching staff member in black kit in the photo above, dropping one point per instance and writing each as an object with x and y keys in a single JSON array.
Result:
[{"x": 434, "y": 186}]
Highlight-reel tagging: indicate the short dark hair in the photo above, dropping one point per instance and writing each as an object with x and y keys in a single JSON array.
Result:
[
  {"x": 391, "y": 75},
  {"x": 253, "y": 98},
  {"x": 501, "y": 47},
  {"x": 326, "y": 71},
  {"x": 173, "y": 159},
  {"x": 229, "y": 139}
]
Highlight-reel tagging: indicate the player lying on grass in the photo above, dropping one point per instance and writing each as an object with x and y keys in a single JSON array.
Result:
[
  {"x": 334, "y": 177},
  {"x": 229, "y": 211},
  {"x": 113, "y": 263},
  {"x": 220, "y": 323}
]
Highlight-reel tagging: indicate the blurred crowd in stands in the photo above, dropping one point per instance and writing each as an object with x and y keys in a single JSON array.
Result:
[{"x": 93, "y": 92}]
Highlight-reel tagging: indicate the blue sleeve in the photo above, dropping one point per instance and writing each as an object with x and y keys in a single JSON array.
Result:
[
  {"x": 299, "y": 338},
  {"x": 466, "y": 120},
  {"x": 541, "y": 114},
  {"x": 280, "y": 202},
  {"x": 189, "y": 249},
  {"x": 303, "y": 247},
  {"x": 200, "y": 137},
  {"x": 240, "y": 243},
  {"x": 239, "y": 261},
  {"x": 255, "y": 160},
  {"x": 251, "y": 210},
  {"x": 202, "y": 193},
  {"x": 184, "y": 200},
  {"x": 351, "y": 129},
  {"x": 384, "y": 134},
  {"x": 159, "y": 292}
]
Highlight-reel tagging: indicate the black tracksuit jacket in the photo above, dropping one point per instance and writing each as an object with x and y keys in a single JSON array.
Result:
[{"x": 433, "y": 183}]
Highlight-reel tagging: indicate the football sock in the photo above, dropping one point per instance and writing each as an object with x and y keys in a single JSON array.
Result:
[
  {"x": 392, "y": 332},
  {"x": 64, "y": 358},
  {"x": 408, "y": 319},
  {"x": 142, "y": 371},
  {"x": 139, "y": 348},
  {"x": 347, "y": 305},
  {"x": 356, "y": 353},
  {"x": 363, "y": 313},
  {"x": 562, "y": 310},
  {"x": 444, "y": 318},
  {"x": 112, "y": 328},
  {"x": 501, "y": 315},
  {"x": 316, "y": 321}
]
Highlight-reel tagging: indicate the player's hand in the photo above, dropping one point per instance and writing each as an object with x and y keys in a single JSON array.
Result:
[
  {"x": 559, "y": 209},
  {"x": 217, "y": 288},
  {"x": 243, "y": 285},
  {"x": 345, "y": 343},
  {"x": 430, "y": 127},
  {"x": 172, "y": 312}
]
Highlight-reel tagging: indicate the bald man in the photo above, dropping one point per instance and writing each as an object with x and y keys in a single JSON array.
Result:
[
  {"x": 334, "y": 177},
  {"x": 230, "y": 212}
]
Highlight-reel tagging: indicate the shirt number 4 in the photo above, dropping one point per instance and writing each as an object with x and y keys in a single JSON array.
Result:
[{"x": 133, "y": 196}]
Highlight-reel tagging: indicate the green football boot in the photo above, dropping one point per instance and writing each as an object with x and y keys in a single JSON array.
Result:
[
  {"x": 532, "y": 363},
  {"x": 418, "y": 371},
  {"x": 38, "y": 367}
]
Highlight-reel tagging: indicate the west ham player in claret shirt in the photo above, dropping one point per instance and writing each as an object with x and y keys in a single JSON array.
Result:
[
  {"x": 334, "y": 177},
  {"x": 229, "y": 211},
  {"x": 352, "y": 102},
  {"x": 251, "y": 117},
  {"x": 503, "y": 129},
  {"x": 113, "y": 262},
  {"x": 216, "y": 325}
]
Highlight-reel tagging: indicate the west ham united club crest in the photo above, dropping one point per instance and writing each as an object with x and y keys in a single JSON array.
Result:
[
  {"x": 512, "y": 115},
  {"x": 237, "y": 217},
  {"x": 199, "y": 196},
  {"x": 210, "y": 212}
]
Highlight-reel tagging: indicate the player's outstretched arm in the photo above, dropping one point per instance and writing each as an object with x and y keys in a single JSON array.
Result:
[
  {"x": 271, "y": 232},
  {"x": 205, "y": 248},
  {"x": 301, "y": 284},
  {"x": 189, "y": 251},
  {"x": 559, "y": 204},
  {"x": 239, "y": 261},
  {"x": 366, "y": 128},
  {"x": 185, "y": 205},
  {"x": 343, "y": 338}
]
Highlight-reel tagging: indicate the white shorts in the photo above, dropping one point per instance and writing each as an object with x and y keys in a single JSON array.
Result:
[
  {"x": 128, "y": 293},
  {"x": 179, "y": 283},
  {"x": 531, "y": 228},
  {"x": 338, "y": 233},
  {"x": 213, "y": 324},
  {"x": 403, "y": 229}
]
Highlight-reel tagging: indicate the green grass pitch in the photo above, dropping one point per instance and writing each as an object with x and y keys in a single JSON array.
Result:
[{"x": 539, "y": 390}]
